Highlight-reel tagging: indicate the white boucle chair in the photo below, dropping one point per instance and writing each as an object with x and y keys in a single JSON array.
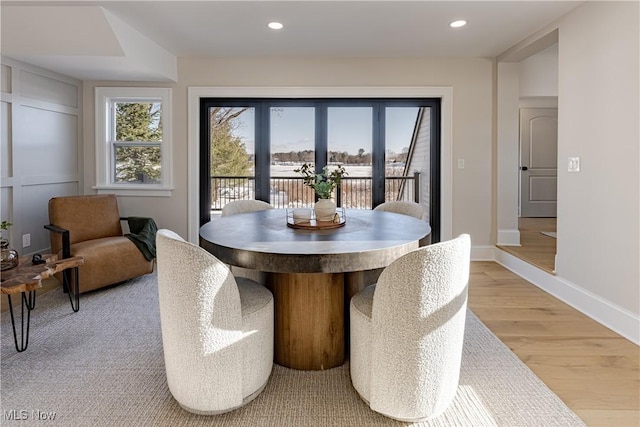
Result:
[
  {"x": 217, "y": 333},
  {"x": 405, "y": 208},
  {"x": 407, "y": 332},
  {"x": 240, "y": 206}
]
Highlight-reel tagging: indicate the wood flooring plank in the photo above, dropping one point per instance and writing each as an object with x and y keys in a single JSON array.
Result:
[
  {"x": 603, "y": 417},
  {"x": 572, "y": 346}
]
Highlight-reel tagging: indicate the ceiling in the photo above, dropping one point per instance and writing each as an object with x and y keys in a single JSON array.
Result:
[{"x": 140, "y": 40}]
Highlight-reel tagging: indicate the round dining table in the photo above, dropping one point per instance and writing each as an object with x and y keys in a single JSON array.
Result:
[{"x": 312, "y": 273}]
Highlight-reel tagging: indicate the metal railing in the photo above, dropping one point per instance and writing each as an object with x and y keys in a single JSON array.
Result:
[{"x": 290, "y": 191}]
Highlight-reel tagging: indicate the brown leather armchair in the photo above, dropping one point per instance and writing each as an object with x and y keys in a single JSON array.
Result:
[{"x": 89, "y": 226}]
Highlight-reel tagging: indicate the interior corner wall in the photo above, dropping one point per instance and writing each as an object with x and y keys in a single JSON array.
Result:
[
  {"x": 41, "y": 148},
  {"x": 508, "y": 153},
  {"x": 539, "y": 74},
  {"x": 598, "y": 207}
]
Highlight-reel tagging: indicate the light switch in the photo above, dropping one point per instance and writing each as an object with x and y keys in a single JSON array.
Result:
[
  {"x": 460, "y": 163},
  {"x": 574, "y": 164}
]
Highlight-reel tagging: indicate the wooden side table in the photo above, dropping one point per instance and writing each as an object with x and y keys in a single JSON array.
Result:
[{"x": 25, "y": 279}]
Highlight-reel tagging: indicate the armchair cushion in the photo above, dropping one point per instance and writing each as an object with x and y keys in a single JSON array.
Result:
[{"x": 109, "y": 260}]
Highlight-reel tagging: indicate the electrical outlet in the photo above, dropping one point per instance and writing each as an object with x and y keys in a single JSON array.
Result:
[
  {"x": 460, "y": 163},
  {"x": 26, "y": 240},
  {"x": 573, "y": 164}
]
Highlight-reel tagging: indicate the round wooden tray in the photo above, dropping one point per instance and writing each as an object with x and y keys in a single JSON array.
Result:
[{"x": 316, "y": 225}]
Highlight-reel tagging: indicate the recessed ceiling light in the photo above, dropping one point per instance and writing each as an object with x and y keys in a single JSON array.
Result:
[
  {"x": 275, "y": 25},
  {"x": 457, "y": 24}
]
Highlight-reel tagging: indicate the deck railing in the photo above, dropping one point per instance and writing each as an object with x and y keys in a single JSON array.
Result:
[{"x": 290, "y": 191}]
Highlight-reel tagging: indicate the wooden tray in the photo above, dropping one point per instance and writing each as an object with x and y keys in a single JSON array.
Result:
[{"x": 316, "y": 225}]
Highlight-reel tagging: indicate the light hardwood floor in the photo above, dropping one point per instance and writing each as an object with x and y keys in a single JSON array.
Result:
[
  {"x": 535, "y": 248},
  {"x": 592, "y": 369}
]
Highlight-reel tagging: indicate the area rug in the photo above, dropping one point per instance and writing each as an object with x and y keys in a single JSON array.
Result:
[
  {"x": 103, "y": 366},
  {"x": 550, "y": 234}
]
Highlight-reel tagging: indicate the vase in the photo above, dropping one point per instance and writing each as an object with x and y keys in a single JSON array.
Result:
[
  {"x": 9, "y": 256},
  {"x": 325, "y": 209}
]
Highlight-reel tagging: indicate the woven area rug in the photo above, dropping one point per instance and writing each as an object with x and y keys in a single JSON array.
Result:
[{"x": 103, "y": 366}]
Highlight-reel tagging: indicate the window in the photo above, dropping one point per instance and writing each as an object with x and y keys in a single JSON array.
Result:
[
  {"x": 390, "y": 148},
  {"x": 133, "y": 141}
]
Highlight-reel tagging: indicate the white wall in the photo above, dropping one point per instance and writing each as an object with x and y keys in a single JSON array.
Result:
[
  {"x": 508, "y": 153},
  {"x": 539, "y": 73},
  {"x": 598, "y": 207},
  {"x": 41, "y": 148}
]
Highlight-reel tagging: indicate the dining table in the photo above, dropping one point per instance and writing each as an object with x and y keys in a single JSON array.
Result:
[{"x": 313, "y": 271}]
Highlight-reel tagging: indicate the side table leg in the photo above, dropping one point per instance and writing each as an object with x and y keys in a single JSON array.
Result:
[
  {"x": 74, "y": 291},
  {"x": 28, "y": 302}
]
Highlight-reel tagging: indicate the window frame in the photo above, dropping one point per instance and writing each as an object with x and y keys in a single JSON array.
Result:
[
  {"x": 262, "y": 106},
  {"x": 105, "y": 98}
]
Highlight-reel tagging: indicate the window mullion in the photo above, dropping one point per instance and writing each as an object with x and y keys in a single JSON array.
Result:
[
  {"x": 136, "y": 144},
  {"x": 263, "y": 151},
  {"x": 321, "y": 126},
  {"x": 378, "y": 149}
]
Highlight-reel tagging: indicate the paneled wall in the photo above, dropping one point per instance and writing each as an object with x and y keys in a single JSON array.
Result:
[{"x": 41, "y": 148}]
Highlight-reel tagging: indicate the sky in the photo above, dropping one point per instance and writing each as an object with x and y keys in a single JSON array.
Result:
[{"x": 292, "y": 128}]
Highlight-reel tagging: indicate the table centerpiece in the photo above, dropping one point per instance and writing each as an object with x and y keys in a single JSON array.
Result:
[{"x": 323, "y": 184}]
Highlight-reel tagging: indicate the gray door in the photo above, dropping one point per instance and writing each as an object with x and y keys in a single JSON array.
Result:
[{"x": 538, "y": 161}]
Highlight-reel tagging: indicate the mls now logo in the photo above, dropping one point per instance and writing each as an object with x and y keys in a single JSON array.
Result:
[
  {"x": 15, "y": 415},
  {"x": 22, "y": 415}
]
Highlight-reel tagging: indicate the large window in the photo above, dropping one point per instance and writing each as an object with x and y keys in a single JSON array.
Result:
[
  {"x": 390, "y": 148},
  {"x": 350, "y": 143},
  {"x": 133, "y": 140}
]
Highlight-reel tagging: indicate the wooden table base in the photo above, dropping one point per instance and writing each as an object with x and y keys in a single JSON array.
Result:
[{"x": 309, "y": 319}]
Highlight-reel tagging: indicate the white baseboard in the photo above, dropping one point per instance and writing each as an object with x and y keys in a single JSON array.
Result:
[
  {"x": 604, "y": 312},
  {"x": 483, "y": 253},
  {"x": 509, "y": 237}
]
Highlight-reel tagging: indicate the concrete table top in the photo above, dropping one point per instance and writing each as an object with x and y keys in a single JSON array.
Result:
[{"x": 263, "y": 241}]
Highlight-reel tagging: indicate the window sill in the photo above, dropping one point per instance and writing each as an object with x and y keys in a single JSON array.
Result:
[{"x": 134, "y": 190}]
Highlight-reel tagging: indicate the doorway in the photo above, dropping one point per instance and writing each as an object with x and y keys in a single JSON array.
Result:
[
  {"x": 538, "y": 162},
  {"x": 528, "y": 151},
  {"x": 538, "y": 187}
]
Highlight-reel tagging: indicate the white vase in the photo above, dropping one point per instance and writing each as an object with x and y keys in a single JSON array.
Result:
[{"x": 325, "y": 209}]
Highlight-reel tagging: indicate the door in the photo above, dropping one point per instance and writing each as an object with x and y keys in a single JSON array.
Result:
[{"x": 538, "y": 162}]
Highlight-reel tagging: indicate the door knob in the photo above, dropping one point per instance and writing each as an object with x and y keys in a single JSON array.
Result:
[{"x": 524, "y": 168}]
